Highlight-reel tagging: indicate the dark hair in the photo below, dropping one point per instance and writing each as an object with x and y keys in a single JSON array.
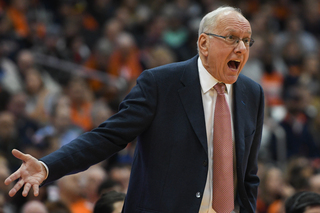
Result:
[
  {"x": 57, "y": 207},
  {"x": 106, "y": 201},
  {"x": 301, "y": 200},
  {"x": 107, "y": 185}
]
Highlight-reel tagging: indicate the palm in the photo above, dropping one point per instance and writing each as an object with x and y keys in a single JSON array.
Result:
[{"x": 31, "y": 174}]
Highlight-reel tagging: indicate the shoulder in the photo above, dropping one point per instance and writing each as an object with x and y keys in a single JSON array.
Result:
[
  {"x": 247, "y": 82},
  {"x": 172, "y": 69}
]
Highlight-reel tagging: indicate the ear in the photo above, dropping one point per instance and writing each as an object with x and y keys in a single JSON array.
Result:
[{"x": 203, "y": 44}]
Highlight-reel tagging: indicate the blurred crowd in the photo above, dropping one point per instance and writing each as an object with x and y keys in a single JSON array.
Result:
[{"x": 65, "y": 66}]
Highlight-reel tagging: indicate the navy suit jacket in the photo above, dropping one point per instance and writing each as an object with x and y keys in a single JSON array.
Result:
[{"x": 165, "y": 111}]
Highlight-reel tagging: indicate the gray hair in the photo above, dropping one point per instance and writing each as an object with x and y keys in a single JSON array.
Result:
[{"x": 209, "y": 21}]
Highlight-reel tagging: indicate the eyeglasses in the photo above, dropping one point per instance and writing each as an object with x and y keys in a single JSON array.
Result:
[{"x": 233, "y": 40}]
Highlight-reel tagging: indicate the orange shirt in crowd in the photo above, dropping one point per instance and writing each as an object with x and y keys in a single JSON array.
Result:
[
  {"x": 272, "y": 86},
  {"x": 81, "y": 116},
  {"x": 19, "y": 21},
  {"x": 81, "y": 206},
  {"x": 127, "y": 66},
  {"x": 91, "y": 63}
]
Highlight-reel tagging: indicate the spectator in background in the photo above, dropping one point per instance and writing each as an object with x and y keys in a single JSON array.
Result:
[
  {"x": 98, "y": 61},
  {"x": 273, "y": 190},
  {"x": 311, "y": 18},
  {"x": 6, "y": 205},
  {"x": 9, "y": 75},
  {"x": 310, "y": 73},
  {"x": 125, "y": 60},
  {"x": 303, "y": 202},
  {"x": 110, "y": 202},
  {"x": 109, "y": 185},
  {"x": 39, "y": 97},
  {"x": 70, "y": 192},
  {"x": 176, "y": 35},
  {"x": 17, "y": 13},
  {"x": 91, "y": 179},
  {"x": 26, "y": 127},
  {"x": 34, "y": 206},
  {"x": 160, "y": 55},
  {"x": 121, "y": 174},
  {"x": 271, "y": 80},
  {"x": 4, "y": 170},
  {"x": 295, "y": 30},
  {"x": 298, "y": 172},
  {"x": 8, "y": 138},
  {"x": 81, "y": 103},
  {"x": 299, "y": 140},
  {"x": 101, "y": 11},
  {"x": 60, "y": 125},
  {"x": 26, "y": 60},
  {"x": 57, "y": 207},
  {"x": 293, "y": 58},
  {"x": 111, "y": 30},
  {"x": 100, "y": 112},
  {"x": 314, "y": 182},
  {"x": 9, "y": 39}
]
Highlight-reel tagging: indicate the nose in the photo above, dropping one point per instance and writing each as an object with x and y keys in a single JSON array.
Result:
[{"x": 240, "y": 47}]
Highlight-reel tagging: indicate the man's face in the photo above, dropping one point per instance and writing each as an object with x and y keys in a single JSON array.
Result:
[{"x": 224, "y": 61}]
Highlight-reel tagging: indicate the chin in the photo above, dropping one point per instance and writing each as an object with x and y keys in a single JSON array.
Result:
[{"x": 231, "y": 80}]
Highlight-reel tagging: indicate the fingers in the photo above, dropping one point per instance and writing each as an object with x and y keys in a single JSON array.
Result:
[
  {"x": 19, "y": 155},
  {"x": 26, "y": 189},
  {"x": 36, "y": 190},
  {"x": 16, "y": 188},
  {"x": 12, "y": 177}
]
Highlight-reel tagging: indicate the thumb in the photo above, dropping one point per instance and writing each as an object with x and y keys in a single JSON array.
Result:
[{"x": 19, "y": 155}]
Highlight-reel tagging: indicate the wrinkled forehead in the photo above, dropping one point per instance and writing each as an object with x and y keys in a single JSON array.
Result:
[{"x": 233, "y": 21}]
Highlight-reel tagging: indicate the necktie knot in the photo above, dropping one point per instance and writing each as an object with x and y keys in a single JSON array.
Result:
[{"x": 220, "y": 88}]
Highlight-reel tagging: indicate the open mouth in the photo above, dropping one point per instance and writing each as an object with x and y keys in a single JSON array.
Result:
[{"x": 234, "y": 64}]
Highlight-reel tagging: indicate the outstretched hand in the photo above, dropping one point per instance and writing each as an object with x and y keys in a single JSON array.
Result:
[{"x": 30, "y": 174}]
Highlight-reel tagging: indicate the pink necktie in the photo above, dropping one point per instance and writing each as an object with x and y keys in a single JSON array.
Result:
[{"x": 223, "y": 194}]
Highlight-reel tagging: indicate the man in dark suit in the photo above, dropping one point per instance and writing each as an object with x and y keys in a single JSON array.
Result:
[{"x": 170, "y": 111}]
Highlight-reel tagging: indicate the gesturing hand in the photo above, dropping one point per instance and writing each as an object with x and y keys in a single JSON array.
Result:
[{"x": 31, "y": 173}]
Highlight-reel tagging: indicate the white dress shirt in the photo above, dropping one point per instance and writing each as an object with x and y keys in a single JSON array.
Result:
[{"x": 209, "y": 97}]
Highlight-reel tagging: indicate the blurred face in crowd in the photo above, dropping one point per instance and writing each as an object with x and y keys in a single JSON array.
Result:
[
  {"x": 62, "y": 120},
  {"x": 34, "y": 206},
  {"x": 117, "y": 207},
  {"x": 7, "y": 125},
  {"x": 93, "y": 177},
  {"x": 224, "y": 61},
  {"x": 313, "y": 209},
  {"x": 33, "y": 81},
  {"x": 25, "y": 60}
]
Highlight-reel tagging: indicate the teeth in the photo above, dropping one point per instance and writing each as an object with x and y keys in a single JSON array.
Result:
[{"x": 237, "y": 60}]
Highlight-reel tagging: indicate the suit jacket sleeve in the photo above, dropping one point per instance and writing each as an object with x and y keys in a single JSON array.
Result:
[
  {"x": 252, "y": 145},
  {"x": 135, "y": 114}
]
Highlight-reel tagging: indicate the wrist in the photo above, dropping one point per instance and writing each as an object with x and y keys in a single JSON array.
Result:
[{"x": 45, "y": 168}]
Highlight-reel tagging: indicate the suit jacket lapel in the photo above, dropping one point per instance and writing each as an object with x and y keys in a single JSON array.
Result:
[{"x": 190, "y": 95}]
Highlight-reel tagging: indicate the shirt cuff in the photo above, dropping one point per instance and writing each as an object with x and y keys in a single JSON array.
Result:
[{"x": 46, "y": 167}]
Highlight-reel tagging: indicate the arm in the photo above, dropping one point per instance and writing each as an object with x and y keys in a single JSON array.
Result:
[
  {"x": 251, "y": 180},
  {"x": 135, "y": 115}
]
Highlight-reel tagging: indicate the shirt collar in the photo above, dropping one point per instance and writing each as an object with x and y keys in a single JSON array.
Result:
[{"x": 207, "y": 81}]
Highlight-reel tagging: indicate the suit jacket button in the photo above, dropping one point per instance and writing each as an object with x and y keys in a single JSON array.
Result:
[
  {"x": 205, "y": 163},
  {"x": 198, "y": 195}
]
